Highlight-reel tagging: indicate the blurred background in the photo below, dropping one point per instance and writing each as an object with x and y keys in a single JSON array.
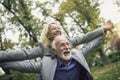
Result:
[{"x": 21, "y": 23}]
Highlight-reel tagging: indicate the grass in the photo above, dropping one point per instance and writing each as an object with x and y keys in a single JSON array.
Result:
[{"x": 109, "y": 72}]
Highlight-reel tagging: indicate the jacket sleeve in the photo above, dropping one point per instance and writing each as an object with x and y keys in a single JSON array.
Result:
[
  {"x": 91, "y": 45},
  {"x": 22, "y": 66},
  {"x": 24, "y": 54},
  {"x": 86, "y": 37}
]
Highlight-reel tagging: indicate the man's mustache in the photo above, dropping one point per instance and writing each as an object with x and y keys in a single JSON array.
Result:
[{"x": 67, "y": 51}]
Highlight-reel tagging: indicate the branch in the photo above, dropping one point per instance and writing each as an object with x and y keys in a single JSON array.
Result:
[{"x": 31, "y": 34}]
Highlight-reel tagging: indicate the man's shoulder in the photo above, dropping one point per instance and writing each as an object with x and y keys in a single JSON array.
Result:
[{"x": 76, "y": 51}]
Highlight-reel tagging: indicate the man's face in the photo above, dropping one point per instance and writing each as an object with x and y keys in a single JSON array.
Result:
[{"x": 63, "y": 48}]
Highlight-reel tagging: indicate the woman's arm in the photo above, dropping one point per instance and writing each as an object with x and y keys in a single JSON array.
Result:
[
  {"x": 87, "y": 37},
  {"x": 22, "y": 66},
  {"x": 91, "y": 45},
  {"x": 24, "y": 54},
  {"x": 93, "y": 34}
]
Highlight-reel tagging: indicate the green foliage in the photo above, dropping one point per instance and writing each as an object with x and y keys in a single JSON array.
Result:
[
  {"x": 20, "y": 14},
  {"x": 109, "y": 72},
  {"x": 19, "y": 76},
  {"x": 114, "y": 57},
  {"x": 81, "y": 11}
]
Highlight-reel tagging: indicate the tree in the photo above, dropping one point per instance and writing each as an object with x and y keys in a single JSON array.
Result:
[{"x": 19, "y": 13}]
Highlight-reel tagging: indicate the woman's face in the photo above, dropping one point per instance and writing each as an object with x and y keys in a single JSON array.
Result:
[{"x": 53, "y": 31}]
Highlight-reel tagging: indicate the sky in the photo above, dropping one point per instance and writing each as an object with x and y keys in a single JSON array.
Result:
[{"x": 110, "y": 11}]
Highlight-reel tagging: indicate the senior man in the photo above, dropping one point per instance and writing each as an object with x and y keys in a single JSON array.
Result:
[{"x": 64, "y": 64}]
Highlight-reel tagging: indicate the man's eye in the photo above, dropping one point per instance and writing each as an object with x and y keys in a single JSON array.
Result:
[{"x": 61, "y": 45}]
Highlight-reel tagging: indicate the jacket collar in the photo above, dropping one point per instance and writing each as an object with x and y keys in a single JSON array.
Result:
[{"x": 80, "y": 58}]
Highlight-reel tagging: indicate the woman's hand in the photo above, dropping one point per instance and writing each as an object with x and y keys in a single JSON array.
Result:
[{"x": 108, "y": 26}]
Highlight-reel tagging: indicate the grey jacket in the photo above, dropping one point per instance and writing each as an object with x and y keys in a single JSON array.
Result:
[
  {"x": 41, "y": 51},
  {"x": 47, "y": 66}
]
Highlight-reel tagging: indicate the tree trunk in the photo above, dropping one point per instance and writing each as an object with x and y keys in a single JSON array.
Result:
[{"x": 103, "y": 57}]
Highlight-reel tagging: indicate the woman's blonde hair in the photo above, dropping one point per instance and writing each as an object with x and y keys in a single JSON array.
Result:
[{"x": 43, "y": 38}]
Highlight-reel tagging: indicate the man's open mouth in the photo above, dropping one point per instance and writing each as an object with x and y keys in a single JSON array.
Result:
[{"x": 67, "y": 52}]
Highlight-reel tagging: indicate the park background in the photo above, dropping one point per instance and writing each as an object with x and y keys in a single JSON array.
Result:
[{"x": 21, "y": 23}]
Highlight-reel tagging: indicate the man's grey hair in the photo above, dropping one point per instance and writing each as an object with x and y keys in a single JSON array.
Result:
[{"x": 53, "y": 44}]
